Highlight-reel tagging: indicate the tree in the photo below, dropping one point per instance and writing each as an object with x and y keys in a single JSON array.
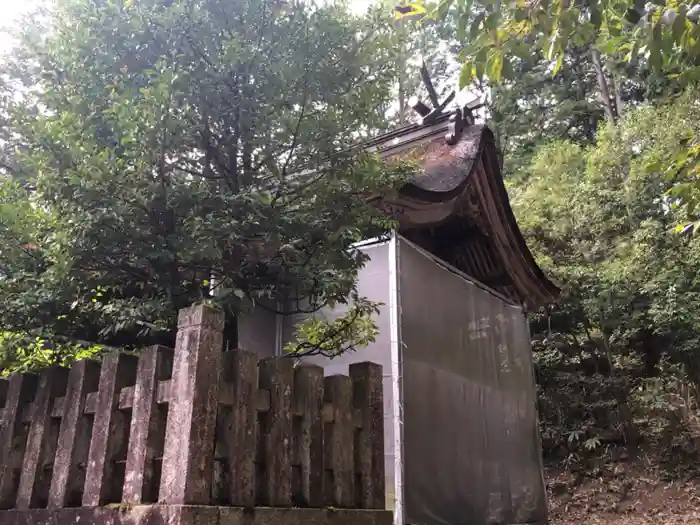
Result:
[
  {"x": 531, "y": 107},
  {"x": 663, "y": 34},
  {"x": 175, "y": 148},
  {"x": 594, "y": 217},
  {"x": 654, "y": 39}
]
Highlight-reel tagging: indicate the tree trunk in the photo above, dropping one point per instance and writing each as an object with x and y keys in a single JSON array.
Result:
[
  {"x": 402, "y": 99},
  {"x": 603, "y": 85},
  {"x": 618, "y": 97}
]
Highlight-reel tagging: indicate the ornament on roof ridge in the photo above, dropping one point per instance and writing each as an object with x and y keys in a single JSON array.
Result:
[{"x": 462, "y": 118}]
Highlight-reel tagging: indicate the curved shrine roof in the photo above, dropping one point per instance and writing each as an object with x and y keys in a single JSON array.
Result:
[{"x": 458, "y": 208}]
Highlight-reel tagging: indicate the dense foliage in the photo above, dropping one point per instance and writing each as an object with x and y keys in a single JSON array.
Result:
[
  {"x": 156, "y": 152},
  {"x": 622, "y": 41},
  {"x": 597, "y": 218}
]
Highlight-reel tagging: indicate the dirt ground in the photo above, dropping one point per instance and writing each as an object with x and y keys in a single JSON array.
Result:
[{"x": 622, "y": 494}]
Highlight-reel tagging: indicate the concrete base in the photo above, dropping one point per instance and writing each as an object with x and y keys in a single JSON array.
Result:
[{"x": 193, "y": 515}]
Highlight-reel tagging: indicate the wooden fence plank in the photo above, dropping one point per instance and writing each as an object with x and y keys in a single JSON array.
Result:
[
  {"x": 369, "y": 401},
  {"x": 308, "y": 401},
  {"x": 277, "y": 376},
  {"x": 284, "y": 435},
  {"x": 339, "y": 441},
  {"x": 190, "y": 435},
  {"x": 52, "y": 383},
  {"x": 74, "y": 440},
  {"x": 108, "y": 431},
  {"x": 240, "y": 374},
  {"x": 20, "y": 392},
  {"x": 148, "y": 421}
]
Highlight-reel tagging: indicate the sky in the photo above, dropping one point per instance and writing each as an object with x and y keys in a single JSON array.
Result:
[{"x": 11, "y": 12}]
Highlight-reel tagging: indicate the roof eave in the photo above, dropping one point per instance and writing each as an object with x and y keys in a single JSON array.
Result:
[{"x": 444, "y": 181}]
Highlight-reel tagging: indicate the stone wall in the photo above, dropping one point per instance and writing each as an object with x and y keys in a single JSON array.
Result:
[{"x": 188, "y": 435}]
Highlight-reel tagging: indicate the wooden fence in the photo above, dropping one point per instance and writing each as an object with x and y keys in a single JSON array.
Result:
[{"x": 193, "y": 426}]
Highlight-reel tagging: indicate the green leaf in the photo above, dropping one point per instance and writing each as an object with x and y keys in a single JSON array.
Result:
[
  {"x": 679, "y": 27},
  {"x": 655, "y": 57},
  {"x": 480, "y": 62},
  {"x": 463, "y": 19},
  {"x": 495, "y": 65},
  {"x": 443, "y": 8},
  {"x": 507, "y": 70},
  {"x": 492, "y": 20},
  {"x": 466, "y": 74},
  {"x": 653, "y": 166},
  {"x": 476, "y": 26},
  {"x": 557, "y": 66},
  {"x": 656, "y": 47}
]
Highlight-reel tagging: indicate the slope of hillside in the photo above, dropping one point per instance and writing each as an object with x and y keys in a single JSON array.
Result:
[{"x": 622, "y": 494}]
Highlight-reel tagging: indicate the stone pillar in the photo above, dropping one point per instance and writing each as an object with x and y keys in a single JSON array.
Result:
[{"x": 190, "y": 434}]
